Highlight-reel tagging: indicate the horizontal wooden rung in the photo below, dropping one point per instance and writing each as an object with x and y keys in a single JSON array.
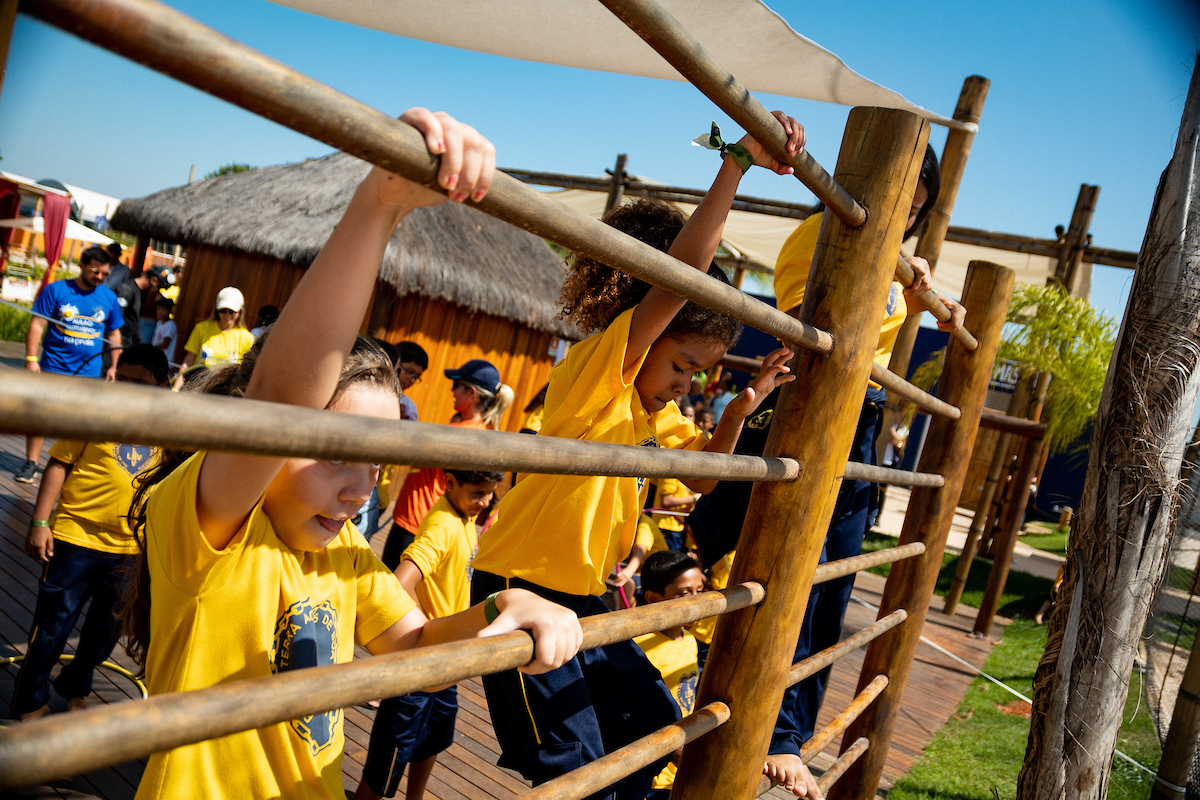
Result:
[
  {"x": 56, "y": 405},
  {"x": 823, "y": 737},
  {"x": 622, "y": 763},
  {"x": 69, "y": 744},
  {"x": 854, "y": 564},
  {"x": 815, "y": 663}
]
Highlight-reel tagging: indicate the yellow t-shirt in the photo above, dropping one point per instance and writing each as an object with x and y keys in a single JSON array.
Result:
[
  {"x": 96, "y": 496},
  {"x": 567, "y": 532},
  {"x": 718, "y": 578},
  {"x": 254, "y": 609},
  {"x": 649, "y": 536},
  {"x": 443, "y": 550},
  {"x": 676, "y": 660},
  {"x": 533, "y": 422},
  {"x": 213, "y": 346},
  {"x": 791, "y": 276},
  {"x": 671, "y": 487}
]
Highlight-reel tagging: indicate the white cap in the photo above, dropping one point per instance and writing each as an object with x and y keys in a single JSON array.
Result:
[{"x": 231, "y": 298}]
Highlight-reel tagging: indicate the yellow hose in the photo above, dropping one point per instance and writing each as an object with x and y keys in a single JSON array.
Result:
[{"x": 117, "y": 668}]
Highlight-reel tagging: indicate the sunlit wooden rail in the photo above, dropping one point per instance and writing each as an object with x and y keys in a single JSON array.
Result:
[{"x": 837, "y": 329}]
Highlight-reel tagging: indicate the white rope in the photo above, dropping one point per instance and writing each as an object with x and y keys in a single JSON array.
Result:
[{"x": 1011, "y": 690}]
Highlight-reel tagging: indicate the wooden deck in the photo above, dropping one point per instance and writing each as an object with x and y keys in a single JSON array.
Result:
[{"x": 467, "y": 771}]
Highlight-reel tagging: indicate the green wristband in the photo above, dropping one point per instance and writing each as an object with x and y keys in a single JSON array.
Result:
[
  {"x": 490, "y": 612},
  {"x": 39, "y": 523},
  {"x": 712, "y": 141}
]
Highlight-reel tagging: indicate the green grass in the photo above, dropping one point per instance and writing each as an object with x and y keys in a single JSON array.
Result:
[
  {"x": 981, "y": 748},
  {"x": 1045, "y": 536},
  {"x": 14, "y": 324},
  {"x": 1022, "y": 596}
]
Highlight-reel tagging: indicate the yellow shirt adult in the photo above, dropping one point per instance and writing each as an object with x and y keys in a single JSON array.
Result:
[
  {"x": 567, "y": 532},
  {"x": 791, "y": 276},
  {"x": 94, "y": 503},
  {"x": 676, "y": 661},
  {"x": 250, "y": 610},
  {"x": 443, "y": 550},
  {"x": 212, "y": 346}
]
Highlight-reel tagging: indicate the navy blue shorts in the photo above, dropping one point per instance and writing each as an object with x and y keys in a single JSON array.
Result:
[
  {"x": 603, "y": 699},
  {"x": 407, "y": 729}
]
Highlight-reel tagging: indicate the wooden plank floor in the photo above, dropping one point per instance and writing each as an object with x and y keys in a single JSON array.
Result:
[{"x": 467, "y": 771}]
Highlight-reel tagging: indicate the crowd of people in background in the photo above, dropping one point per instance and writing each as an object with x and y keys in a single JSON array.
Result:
[{"x": 237, "y": 549}]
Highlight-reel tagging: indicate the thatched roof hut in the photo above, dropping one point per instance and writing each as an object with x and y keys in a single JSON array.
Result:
[{"x": 460, "y": 283}]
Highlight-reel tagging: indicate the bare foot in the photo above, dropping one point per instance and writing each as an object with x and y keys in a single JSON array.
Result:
[
  {"x": 37, "y": 713},
  {"x": 790, "y": 772},
  {"x": 76, "y": 703}
]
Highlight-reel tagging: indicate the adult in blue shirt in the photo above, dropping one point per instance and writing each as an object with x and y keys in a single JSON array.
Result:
[{"x": 81, "y": 312}]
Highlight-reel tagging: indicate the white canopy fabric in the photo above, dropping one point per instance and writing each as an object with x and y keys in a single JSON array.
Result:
[
  {"x": 761, "y": 236},
  {"x": 75, "y": 231},
  {"x": 745, "y": 37}
]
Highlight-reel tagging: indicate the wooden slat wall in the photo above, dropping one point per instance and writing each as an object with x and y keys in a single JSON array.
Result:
[
  {"x": 263, "y": 281},
  {"x": 452, "y": 337},
  {"x": 450, "y": 334}
]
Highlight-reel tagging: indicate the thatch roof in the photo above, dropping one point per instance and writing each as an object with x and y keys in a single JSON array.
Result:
[{"x": 449, "y": 252}]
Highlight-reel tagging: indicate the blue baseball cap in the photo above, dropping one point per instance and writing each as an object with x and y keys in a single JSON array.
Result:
[{"x": 478, "y": 373}]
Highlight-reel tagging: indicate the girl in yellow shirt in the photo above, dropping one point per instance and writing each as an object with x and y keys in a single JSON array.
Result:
[
  {"x": 250, "y": 565},
  {"x": 561, "y": 535}
]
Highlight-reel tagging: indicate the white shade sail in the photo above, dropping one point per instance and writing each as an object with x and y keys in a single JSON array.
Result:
[{"x": 744, "y": 36}]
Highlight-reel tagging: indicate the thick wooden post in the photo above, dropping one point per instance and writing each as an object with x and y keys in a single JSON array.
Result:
[
  {"x": 1070, "y": 253},
  {"x": 617, "y": 192},
  {"x": 1014, "y": 513},
  {"x": 8, "y": 18},
  {"x": 814, "y": 421},
  {"x": 929, "y": 246},
  {"x": 984, "y": 516},
  {"x": 930, "y": 511}
]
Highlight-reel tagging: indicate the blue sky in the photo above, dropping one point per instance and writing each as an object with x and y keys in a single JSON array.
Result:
[{"x": 1082, "y": 92}]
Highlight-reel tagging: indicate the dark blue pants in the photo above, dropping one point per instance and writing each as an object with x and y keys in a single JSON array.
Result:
[
  {"x": 73, "y": 575},
  {"x": 828, "y": 601},
  {"x": 397, "y": 542},
  {"x": 408, "y": 729},
  {"x": 603, "y": 699}
]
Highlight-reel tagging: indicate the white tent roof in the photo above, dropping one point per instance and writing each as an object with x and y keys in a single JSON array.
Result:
[
  {"x": 75, "y": 231},
  {"x": 744, "y": 36}
]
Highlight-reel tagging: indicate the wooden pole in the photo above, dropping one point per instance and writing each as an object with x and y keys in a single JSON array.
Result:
[
  {"x": 984, "y": 509},
  {"x": 617, "y": 190},
  {"x": 53, "y": 405},
  {"x": 138, "y": 262},
  {"x": 910, "y": 584},
  {"x": 617, "y": 765},
  {"x": 1010, "y": 527},
  {"x": 68, "y": 744},
  {"x": 815, "y": 421},
  {"x": 681, "y": 50},
  {"x": 8, "y": 18},
  {"x": 1183, "y": 735},
  {"x": 929, "y": 245},
  {"x": 172, "y": 43},
  {"x": 1070, "y": 252},
  {"x": 1117, "y": 553}
]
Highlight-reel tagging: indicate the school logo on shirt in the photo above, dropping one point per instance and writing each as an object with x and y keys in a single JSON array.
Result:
[
  {"x": 685, "y": 692},
  {"x": 133, "y": 458},
  {"x": 761, "y": 420},
  {"x": 306, "y": 636},
  {"x": 649, "y": 441},
  {"x": 74, "y": 324},
  {"x": 893, "y": 302}
]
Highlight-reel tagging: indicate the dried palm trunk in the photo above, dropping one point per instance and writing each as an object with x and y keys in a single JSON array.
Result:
[{"x": 1117, "y": 553}]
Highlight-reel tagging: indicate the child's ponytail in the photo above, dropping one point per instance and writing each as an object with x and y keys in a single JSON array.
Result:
[{"x": 499, "y": 403}]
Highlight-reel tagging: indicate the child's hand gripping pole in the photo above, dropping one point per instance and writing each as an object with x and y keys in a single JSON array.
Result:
[{"x": 557, "y": 635}]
